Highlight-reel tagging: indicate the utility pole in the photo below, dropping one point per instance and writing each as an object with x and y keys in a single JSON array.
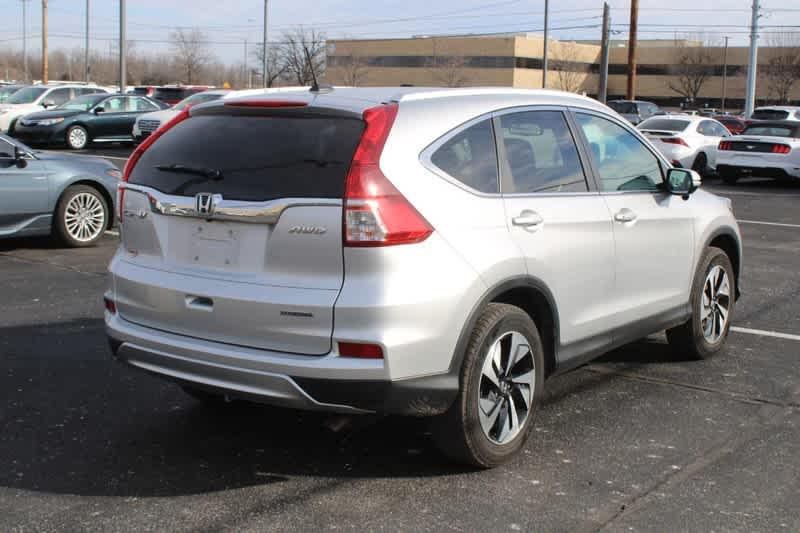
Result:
[
  {"x": 86, "y": 47},
  {"x": 750, "y": 97},
  {"x": 725, "y": 74},
  {"x": 123, "y": 83},
  {"x": 264, "y": 48},
  {"x": 544, "y": 50},
  {"x": 25, "y": 39},
  {"x": 44, "y": 41},
  {"x": 244, "y": 64},
  {"x": 602, "y": 93},
  {"x": 631, "y": 93}
]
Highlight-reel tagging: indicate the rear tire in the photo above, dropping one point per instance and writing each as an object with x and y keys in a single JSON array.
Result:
[
  {"x": 492, "y": 416},
  {"x": 700, "y": 164},
  {"x": 705, "y": 333}
]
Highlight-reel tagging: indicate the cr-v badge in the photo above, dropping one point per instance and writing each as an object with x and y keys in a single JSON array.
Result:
[{"x": 308, "y": 230}]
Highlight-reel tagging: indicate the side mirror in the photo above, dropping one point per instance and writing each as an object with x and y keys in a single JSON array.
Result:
[
  {"x": 98, "y": 110},
  {"x": 20, "y": 157},
  {"x": 48, "y": 103},
  {"x": 682, "y": 181}
]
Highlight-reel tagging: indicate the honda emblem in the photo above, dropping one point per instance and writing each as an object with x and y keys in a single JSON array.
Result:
[{"x": 205, "y": 202}]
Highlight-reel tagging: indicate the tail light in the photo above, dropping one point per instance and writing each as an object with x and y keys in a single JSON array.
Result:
[
  {"x": 110, "y": 305},
  {"x": 137, "y": 154},
  {"x": 375, "y": 212},
  {"x": 781, "y": 148},
  {"x": 674, "y": 140},
  {"x": 725, "y": 145}
]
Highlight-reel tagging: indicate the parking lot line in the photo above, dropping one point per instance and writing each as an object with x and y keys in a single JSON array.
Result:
[
  {"x": 781, "y": 224},
  {"x": 766, "y": 333}
]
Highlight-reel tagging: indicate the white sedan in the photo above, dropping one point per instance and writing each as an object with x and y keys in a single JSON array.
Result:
[
  {"x": 763, "y": 150},
  {"x": 687, "y": 141}
]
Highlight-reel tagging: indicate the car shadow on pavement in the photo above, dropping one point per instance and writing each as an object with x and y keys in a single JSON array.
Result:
[
  {"x": 31, "y": 243},
  {"x": 74, "y": 421}
]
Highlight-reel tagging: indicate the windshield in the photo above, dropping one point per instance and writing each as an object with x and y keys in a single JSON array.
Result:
[
  {"x": 195, "y": 99},
  {"x": 6, "y": 92},
  {"x": 82, "y": 103},
  {"x": 624, "y": 108},
  {"x": 26, "y": 95},
  {"x": 664, "y": 124},
  {"x": 770, "y": 131},
  {"x": 770, "y": 114}
]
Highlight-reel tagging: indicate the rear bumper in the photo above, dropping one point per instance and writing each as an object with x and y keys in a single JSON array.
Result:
[
  {"x": 328, "y": 383},
  {"x": 776, "y": 172}
]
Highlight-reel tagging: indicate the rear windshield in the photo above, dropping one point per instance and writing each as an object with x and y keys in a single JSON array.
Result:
[
  {"x": 170, "y": 94},
  {"x": 259, "y": 158},
  {"x": 624, "y": 108},
  {"x": 770, "y": 131},
  {"x": 770, "y": 114},
  {"x": 664, "y": 124}
]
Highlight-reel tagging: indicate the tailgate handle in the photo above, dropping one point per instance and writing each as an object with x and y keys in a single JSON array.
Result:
[{"x": 200, "y": 303}]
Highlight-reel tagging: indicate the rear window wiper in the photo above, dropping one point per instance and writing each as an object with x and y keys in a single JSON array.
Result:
[{"x": 211, "y": 173}]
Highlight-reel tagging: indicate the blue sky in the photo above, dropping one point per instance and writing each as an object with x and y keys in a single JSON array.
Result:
[{"x": 229, "y": 23}]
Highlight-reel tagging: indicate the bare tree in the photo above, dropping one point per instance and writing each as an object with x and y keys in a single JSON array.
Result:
[
  {"x": 566, "y": 65},
  {"x": 276, "y": 67},
  {"x": 694, "y": 66},
  {"x": 191, "y": 47},
  {"x": 303, "y": 55},
  {"x": 354, "y": 69},
  {"x": 783, "y": 67},
  {"x": 449, "y": 71}
]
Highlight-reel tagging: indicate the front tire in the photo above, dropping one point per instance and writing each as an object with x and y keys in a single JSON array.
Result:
[
  {"x": 713, "y": 299},
  {"x": 77, "y": 138},
  {"x": 82, "y": 216},
  {"x": 730, "y": 179},
  {"x": 700, "y": 164},
  {"x": 501, "y": 382}
]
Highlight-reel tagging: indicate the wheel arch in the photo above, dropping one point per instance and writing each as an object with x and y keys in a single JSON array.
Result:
[
  {"x": 532, "y": 296},
  {"x": 99, "y": 187},
  {"x": 726, "y": 240}
]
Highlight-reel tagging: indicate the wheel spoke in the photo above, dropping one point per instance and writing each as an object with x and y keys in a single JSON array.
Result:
[
  {"x": 524, "y": 391},
  {"x": 489, "y": 370},
  {"x": 518, "y": 349},
  {"x": 489, "y": 412},
  {"x": 724, "y": 288}
]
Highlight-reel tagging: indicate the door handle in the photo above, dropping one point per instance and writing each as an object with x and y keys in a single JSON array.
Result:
[
  {"x": 625, "y": 215},
  {"x": 200, "y": 303},
  {"x": 527, "y": 219}
]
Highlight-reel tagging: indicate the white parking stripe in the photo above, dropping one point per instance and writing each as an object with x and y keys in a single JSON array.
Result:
[
  {"x": 766, "y": 333},
  {"x": 781, "y": 224}
]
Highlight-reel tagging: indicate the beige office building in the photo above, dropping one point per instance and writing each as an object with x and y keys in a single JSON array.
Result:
[{"x": 665, "y": 67}]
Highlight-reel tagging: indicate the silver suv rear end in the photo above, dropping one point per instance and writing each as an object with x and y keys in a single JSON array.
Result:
[{"x": 410, "y": 251}]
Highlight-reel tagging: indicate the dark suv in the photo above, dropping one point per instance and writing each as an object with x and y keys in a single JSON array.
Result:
[{"x": 635, "y": 111}]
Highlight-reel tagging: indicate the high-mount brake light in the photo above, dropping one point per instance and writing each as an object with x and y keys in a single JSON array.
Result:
[
  {"x": 266, "y": 103},
  {"x": 137, "y": 154},
  {"x": 375, "y": 212}
]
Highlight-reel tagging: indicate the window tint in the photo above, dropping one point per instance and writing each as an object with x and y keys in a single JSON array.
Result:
[
  {"x": 771, "y": 131},
  {"x": 624, "y": 163},
  {"x": 114, "y": 105},
  {"x": 140, "y": 104},
  {"x": 59, "y": 96},
  {"x": 259, "y": 158},
  {"x": 470, "y": 157},
  {"x": 540, "y": 153}
]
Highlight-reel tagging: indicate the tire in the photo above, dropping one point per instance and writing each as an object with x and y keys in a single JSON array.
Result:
[
  {"x": 81, "y": 216},
  {"x": 77, "y": 138},
  {"x": 691, "y": 339},
  {"x": 700, "y": 164},
  {"x": 11, "y": 127},
  {"x": 460, "y": 433}
]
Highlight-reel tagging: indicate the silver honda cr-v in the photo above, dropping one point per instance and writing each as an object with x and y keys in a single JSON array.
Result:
[{"x": 412, "y": 251}]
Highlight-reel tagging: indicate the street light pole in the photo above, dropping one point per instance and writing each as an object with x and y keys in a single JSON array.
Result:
[
  {"x": 86, "y": 47},
  {"x": 749, "y": 102},
  {"x": 25, "y": 39},
  {"x": 632, "y": 42},
  {"x": 44, "y": 42},
  {"x": 123, "y": 82},
  {"x": 725, "y": 74},
  {"x": 602, "y": 93},
  {"x": 544, "y": 50},
  {"x": 264, "y": 48}
]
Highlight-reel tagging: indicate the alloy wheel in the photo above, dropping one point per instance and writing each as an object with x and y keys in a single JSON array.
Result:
[
  {"x": 84, "y": 217},
  {"x": 77, "y": 138},
  {"x": 715, "y": 304},
  {"x": 506, "y": 387}
]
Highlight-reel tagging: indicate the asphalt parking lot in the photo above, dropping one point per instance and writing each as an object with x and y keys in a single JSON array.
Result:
[{"x": 640, "y": 440}]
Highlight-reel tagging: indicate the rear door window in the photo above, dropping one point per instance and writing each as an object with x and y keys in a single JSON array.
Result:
[
  {"x": 470, "y": 157},
  {"x": 540, "y": 153},
  {"x": 259, "y": 158}
]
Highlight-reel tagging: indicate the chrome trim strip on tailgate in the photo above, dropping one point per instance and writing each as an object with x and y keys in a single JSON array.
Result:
[{"x": 268, "y": 212}]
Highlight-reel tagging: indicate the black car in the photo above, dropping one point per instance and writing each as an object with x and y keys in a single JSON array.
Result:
[
  {"x": 635, "y": 111},
  {"x": 86, "y": 119}
]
